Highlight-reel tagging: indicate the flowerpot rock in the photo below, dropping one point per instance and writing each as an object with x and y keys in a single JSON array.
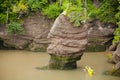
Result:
[{"x": 67, "y": 43}]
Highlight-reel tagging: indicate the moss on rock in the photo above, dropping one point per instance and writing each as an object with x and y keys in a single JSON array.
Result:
[
  {"x": 113, "y": 72},
  {"x": 95, "y": 48},
  {"x": 36, "y": 47},
  {"x": 63, "y": 62}
]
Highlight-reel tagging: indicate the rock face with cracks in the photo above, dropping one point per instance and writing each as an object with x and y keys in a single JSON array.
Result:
[{"x": 67, "y": 43}]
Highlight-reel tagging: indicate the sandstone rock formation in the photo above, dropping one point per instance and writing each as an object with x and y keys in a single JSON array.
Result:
[
  {"x": 100, "y": 35},
  {"x": 67, "y": 43},
  {"x": 36, "y": 28},
  {"x": 116, "y": 57},
  {"x": 113, "y": 47},
  {"x": 116, "y": 61}
]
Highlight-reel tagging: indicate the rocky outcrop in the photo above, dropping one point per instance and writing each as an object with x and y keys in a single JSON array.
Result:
[
  {"x": 36, "y": 28},
  {"x": 100, "y": 35},
  {"x": 116, "y": 57},
  {"x": 116, "y": 61},
  {"x": 113, "y": 47},
  {"x": 67, "y": 43}
]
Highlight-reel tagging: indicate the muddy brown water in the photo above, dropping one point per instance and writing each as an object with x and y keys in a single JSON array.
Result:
[{"x": 21, "y": 65}]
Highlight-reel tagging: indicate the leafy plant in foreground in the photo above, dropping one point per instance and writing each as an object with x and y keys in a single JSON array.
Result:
[{"x": 77, "y": 12}]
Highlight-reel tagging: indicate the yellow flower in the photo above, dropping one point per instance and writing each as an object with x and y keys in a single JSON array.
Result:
[
  {"x": 22, "y": 6},
  {"x": 19, "y": 7},
  {"x": 15, "y": 9}
]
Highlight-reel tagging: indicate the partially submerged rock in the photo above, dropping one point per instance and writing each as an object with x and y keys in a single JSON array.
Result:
[
  {"x": 112, "y": 72},
  {"x": 67, "y": 43},
  {"x": 100, "y": 36},
  {"x": 116, "y": 57},
  {"x": 112, "y": 47}
]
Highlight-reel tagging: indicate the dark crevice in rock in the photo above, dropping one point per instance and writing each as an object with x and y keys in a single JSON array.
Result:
[{"x": 3, "y": 47}]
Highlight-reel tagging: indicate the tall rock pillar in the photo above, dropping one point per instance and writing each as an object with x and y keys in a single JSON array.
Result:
[{"x": 67, "y": 43}]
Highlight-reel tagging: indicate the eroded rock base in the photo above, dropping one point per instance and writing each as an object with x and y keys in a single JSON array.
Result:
[{"x": 63, "y": 62}]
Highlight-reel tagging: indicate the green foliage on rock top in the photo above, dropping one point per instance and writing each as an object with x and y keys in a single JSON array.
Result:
[
  {"x": 15, "y": 28},
  {"x": 2, "y": 18},
  {"x": 52, "y": 11},
  {"x": 77, "y": 11},
  {"x": 107, "y": 11},
  {"x": 35, "y": 5},
  {"x": 11, "y": 10},
  {"x": 5, "y": 9},
  {"x": 117, "y": 31}
]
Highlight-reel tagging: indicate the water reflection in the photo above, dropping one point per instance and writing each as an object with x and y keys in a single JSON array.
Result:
[{"x": 20, "y": 65}]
